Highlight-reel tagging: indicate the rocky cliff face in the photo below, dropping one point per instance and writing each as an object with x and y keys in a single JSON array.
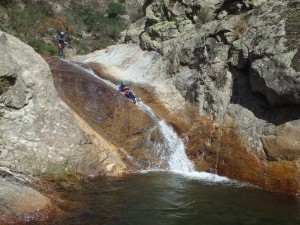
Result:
[
  {"x": 40, "y": 134},
  {"x": 237, "y": 62}
]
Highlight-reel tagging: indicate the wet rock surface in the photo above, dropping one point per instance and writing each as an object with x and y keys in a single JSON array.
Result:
[{"x": 109, "y": 113}]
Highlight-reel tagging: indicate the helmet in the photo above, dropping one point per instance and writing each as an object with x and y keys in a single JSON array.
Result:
[
  {"x": 123, "y": 81},
  {"x": 62, "y": 33}
]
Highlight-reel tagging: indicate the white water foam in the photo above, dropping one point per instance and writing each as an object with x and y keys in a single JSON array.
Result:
[
  {"x": 173, "y": 145},
  {"x": 91, "y": 72},
  {"x": 178, "y": 160},
  {"x": 201, "y": 176}
]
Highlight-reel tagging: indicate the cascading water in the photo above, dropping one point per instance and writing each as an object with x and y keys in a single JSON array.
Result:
[
  {"x": 173, "y": 146},
  {"x": 178, "y": 160},
  {"x": 172, "y": 150}
]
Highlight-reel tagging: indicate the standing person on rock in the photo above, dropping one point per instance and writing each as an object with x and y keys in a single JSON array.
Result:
[
  {"x": 62, "y": 41},
  {"x": 126, "y": 91}
]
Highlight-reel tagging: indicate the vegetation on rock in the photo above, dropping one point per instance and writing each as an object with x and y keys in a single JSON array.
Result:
[{"x": 90, "y": 25}]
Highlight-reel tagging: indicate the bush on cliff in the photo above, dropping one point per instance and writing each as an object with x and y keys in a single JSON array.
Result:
[
  {"x": 114, "y": 10},
  {"x": 41, "y": 47},
  {"x": 93, "y": 25},
  {"x": 95, "y": 21}
]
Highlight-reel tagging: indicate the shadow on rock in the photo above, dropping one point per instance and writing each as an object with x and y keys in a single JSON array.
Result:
[{"x": 258, "y": 104}]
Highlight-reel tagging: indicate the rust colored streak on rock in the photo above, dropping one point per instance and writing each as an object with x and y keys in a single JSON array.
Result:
[
  {"x": 222, "y": 151},
  {"x": 109, "y": 113}
]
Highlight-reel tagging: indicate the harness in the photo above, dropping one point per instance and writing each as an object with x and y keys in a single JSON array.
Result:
[
  {"x": 126, "y": 92},
  {"x": 61, "y": 45}
]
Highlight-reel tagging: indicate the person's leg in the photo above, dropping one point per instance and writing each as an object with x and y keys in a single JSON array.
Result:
[
  {"x": 127, "y": 94},
  {"x": 60, "y": 52},
  {"x": 131, "y": 96}
]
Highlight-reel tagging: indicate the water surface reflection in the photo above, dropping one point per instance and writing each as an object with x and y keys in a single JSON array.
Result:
[{"x": 170, "y": 199}]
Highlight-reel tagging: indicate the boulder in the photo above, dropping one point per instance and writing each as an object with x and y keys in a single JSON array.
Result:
[
  {"x": 274, "y": 79},
  {"x": 272, "y": 71},
  {"x": 132, "y": 34},
  {"x": 38, "y": 132}
]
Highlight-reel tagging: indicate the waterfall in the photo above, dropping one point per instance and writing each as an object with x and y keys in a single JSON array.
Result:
[
  {"x": 173, "y": 146},
  {"x": 178, "y": 160},
  {"x": 172, "y": 149}
]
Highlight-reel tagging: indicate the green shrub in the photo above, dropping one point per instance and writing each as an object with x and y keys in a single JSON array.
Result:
[
  {"x": 82, "y": 46},
  {"x": 110, "y": 26},
  {"x": 36, "y": 44},
  {"x": 83, "y": 12},
  {"x": 42, "y": 48},
  {"x": 50, "y": 49},
  {"x": 38, "y": 10},
  {"x": 86, "y": 46},
  {"x": 24, "y": 21},
  {"x": 115, "y": 9},
  {"x": 96, "y": 22},
  {"x": 101, "y": 43},
  {"x": 37, "y": 19}
]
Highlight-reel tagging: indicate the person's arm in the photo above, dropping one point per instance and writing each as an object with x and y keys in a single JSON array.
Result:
[
  {"x": 120, "y": 89},
  {"x": 126, "y": 88}
]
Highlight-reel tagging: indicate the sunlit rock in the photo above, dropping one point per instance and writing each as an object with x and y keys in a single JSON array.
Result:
[
  {"x": 240, "y": 72},
  {"x": 38, "y": 132}
]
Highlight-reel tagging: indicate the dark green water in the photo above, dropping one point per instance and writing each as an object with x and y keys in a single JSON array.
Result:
[{"x": 168, "y": 199}]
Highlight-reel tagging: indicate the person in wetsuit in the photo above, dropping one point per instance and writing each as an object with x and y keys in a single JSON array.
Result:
[{"x": 126, "y": 90}]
